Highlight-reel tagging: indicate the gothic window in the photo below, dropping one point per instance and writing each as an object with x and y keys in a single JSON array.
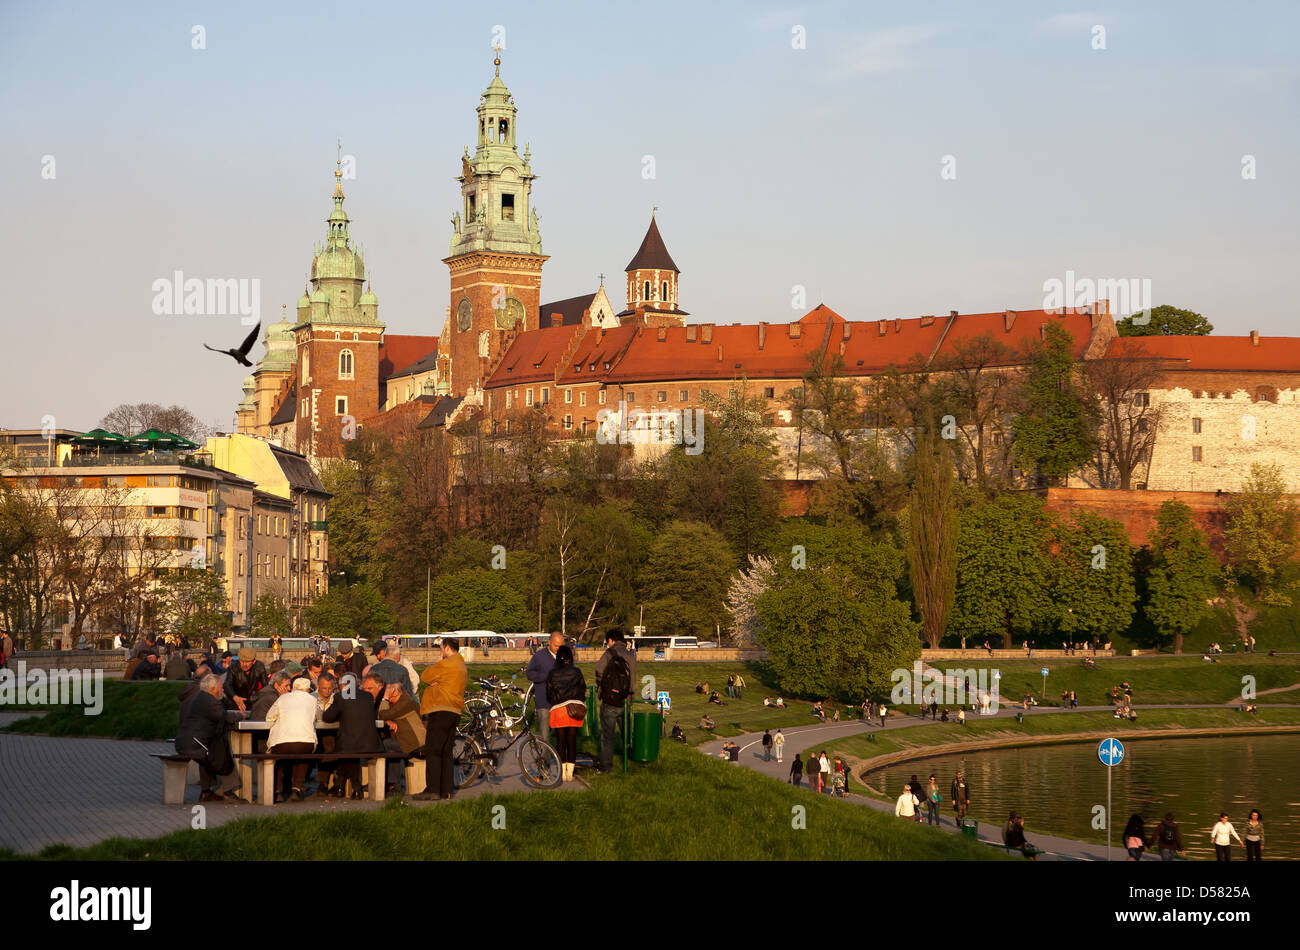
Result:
[
  {"x": 345, "y": 365},
  {"x": 503, "y": 128},
  {"x": 647, "y": 290},
  {"x": 664, "y": 294}
]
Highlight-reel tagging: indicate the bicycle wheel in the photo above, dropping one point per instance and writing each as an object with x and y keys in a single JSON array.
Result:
[
  {"x": 539, "y": 763},
  {"x": 467, "y": 766},
  {"x": 485, "y": 709}
]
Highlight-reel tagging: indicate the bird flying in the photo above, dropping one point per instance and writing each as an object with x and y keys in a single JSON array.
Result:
[{"x": 240, "y": 355}]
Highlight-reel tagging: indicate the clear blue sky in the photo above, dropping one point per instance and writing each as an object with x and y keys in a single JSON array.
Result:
[{"x": 775, "y": 167}]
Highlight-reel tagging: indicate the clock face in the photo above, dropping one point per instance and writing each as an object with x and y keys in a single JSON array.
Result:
[
  {"x": 464, "y": 313},
  {"x": 511, "y": 312}
]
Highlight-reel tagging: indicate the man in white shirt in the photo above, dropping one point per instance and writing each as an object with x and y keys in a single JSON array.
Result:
[{"x": 906, "y": 805}]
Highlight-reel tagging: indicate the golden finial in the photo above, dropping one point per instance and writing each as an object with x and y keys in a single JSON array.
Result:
[
  {"x": 338, "y": 173},
  {"x": 496, "y": 48}
]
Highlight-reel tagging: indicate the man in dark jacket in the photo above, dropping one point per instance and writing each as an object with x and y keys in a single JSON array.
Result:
[
  {"x": 960, "y": 792},
  {"x": 268, "y": 694},
  {"x": 540, "y": 665},
  {"x": 611, "y": 705},
  {"x": 205, "y": 722},
  {"x": 245, "y": 678},
  {"x": 355, "y": 661},
  {"x": 147, "y": 669},
  {"x": 178, "y": 667},
  {"x": 1168, "y": 838},
  {"x": 357, "y": 731}
]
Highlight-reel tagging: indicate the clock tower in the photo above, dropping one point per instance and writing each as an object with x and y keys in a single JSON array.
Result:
[{"x": 496, "y": 248}]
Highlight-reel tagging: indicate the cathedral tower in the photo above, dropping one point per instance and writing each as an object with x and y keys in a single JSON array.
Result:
[
  {"x": 652, "y": 281},
  {"x": 496, "y": 248}
]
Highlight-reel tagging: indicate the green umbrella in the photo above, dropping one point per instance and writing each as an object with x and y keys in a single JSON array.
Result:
[{"x": 157, "y": 439}]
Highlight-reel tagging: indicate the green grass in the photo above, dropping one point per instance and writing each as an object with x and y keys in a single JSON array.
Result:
[
  {"x": 1054, "y": 724},
  {"x": 130, "y": 711},
  {"x": 685, "y": 807}
]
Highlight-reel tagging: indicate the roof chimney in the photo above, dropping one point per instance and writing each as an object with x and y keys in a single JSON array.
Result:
[
  {"x": 663, "y": 334},
  {"x": 884, "y": 327},
  {"x": 706, "y": 333},
  {"x": 1254, "y": 338},
  {"x": 794, "y": 331},
  {"x": 762, "y": 333},
  {"x": 719, "y": 352},
  {"x": 691, "y": 331},
  {"x": 952, "y": 313},
  {"x": 557, "y": 319},
  {"x": 1008, "y": 320},
  {"x": 898, "y": 324},
  {"x": 927, "y": 320},
  {"x": 848, "y": 329}
]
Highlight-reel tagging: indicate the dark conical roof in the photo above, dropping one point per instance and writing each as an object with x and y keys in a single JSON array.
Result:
[{"x": 652, "y": 254}]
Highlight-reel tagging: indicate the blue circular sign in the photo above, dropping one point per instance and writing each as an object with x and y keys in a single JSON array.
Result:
[{"x": 1111, "y": 752}]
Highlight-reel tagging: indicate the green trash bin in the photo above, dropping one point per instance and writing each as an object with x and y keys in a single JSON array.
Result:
[
  {"x": 970, "y": 828},
  {"x": 647, "y": 726}
]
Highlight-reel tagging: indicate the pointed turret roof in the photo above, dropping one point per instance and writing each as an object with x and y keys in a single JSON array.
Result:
[{"x": 652, "y": 254}]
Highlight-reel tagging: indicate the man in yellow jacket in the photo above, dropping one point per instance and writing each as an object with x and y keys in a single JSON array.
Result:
[{"x": 441, "y": 705}]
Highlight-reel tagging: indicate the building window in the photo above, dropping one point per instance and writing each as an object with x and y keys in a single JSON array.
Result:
[
  {"x": 769, "y": 392},
  {"x": 582, "y": 398},
  {"x": 568, "y": 422},
  {"x": 1142, "y": 399},
  {"x": 683, "y": 395},
  {"x": 507, "y": 205},
  {"x": 568, "y": 395},
  {"x": 629, "y": 397},
  {"x": 345, "y": 365},
  {"x": 1196, "y": 453},
  {"x": 528, "y": 398},
  {"x": 241, "y": 565},
  {"x": 663, "y": 395},
  {"x": 239, "y": 601},
  {"x": 546, "y": 395},
  {"x": 647, "y": 290},
  {"x": 243, "y": 527},
  {"x": 664, "y": 294},
  {"x": 341, "y": 405},
  {"x": 600, "y": 397},
  {"x": 1196, "y": 426}
]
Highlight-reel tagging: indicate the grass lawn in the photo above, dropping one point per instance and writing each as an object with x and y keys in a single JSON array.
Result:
[
  {"x": 686, "y": 807},
  {"x": 130, "y": 711}
]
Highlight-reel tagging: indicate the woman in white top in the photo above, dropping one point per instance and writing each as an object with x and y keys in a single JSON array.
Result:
[
  {"x": 1222, "y": 835},
  {"x": 906, "y": 805},
  {"x": 778, "y": 741},
  {"x": 826, "y": 772},
  {"x": 293, "y": 729}
]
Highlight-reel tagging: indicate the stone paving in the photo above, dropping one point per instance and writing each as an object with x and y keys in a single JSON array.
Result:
[{"x": 78, "y": 791}]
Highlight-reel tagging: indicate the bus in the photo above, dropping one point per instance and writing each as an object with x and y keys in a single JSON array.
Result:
[
  {"x": 479, "y": 639},
  {"x": 659, "y": 644}
]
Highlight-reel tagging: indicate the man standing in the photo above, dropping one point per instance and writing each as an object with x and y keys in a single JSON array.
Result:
[
  {"x": 615, "y": 676},
  {"x": 767, "y": 745},
  {"x": 740, "y": 686},
  {"x": 539, "y": 667},
  {"x": 441, "y": 705},
  {"x": 356, "y": 663},
  {"x": 778, "y": 742},
  {"x": 390, "y": 671},
  {"x": 960, "y": 794}
]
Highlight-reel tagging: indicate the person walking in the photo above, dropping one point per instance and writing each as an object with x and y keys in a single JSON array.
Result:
[
  {"x": 914, "y": 784},
  {"x": 1222, "y": 834},
  {"x": 767, "y": 745},
  {"x": 932, "y": 800},
  {"x": 906, "y": 805},
  {"x": 567, "y": 690},
  {"x": 539, "y": 667},
  {"x": 731, "y": 686},
  {"x": 615, "y": 676},
  {"x": 1254, "y": 831},
  {"x": 441, "y": 705},
  {"x": 796, "y": 771},
  {"x": 883, "y": 711},
  {"x": 960, "y": 793},
  {"x": 740, "y": 686},
  {"x": 1135, "y": 837},
  {"x": 823, "y": 778},
  {"x": 1168, "y": 838},
  {"x": 778, "y": 743}
]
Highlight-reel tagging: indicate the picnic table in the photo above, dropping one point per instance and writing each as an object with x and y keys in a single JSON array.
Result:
[{"x": 241, "y": 743}]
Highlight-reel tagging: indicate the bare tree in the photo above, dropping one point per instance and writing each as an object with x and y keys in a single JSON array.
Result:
[
  {"x": 978, "y": 380},
  {"x": 131, "y": 418},
  {"x": 1130, "y": 420}
]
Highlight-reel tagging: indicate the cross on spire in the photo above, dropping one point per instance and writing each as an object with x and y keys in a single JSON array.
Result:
[{"x": 602, "y": 280}]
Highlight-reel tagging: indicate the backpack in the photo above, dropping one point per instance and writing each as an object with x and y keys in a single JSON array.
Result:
[
  {"x": 1167, "y": 834},
  {"x": 616, "y": 684}
]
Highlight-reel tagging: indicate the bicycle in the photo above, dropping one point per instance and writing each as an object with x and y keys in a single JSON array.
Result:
[
  {"x": 473, "y": 754},
  {"x": 498, "y": 719}
]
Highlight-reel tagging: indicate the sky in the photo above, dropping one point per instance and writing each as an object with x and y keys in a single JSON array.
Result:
[{"x": 891, "y": 159}]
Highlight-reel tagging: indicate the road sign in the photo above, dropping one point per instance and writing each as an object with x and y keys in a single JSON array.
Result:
[
  {"x": 665, "y": 703},
  {"x": 1110, "y": 751},
  {"x": 1044, "y": 671},
  {"x": 638, "y": 631}
]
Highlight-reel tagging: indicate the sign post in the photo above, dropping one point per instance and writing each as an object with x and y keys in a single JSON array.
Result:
[
  {"x": 1111, "y": 753},
  {"x": 1044, "y": 685}
]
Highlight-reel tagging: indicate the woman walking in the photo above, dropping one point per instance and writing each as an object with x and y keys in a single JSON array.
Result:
[
  {"x": 778, "y": 741},
  {"x": 1135, "y": 838},
  {"x": 796, "y": 771},
  {"x": 1255, "y": 836},
  {"x": 1222, "y": 834},
  {"x": 567, "y": 691},
  {"x": 824, "y": 777},
  {"x": 932, "y": 800}
]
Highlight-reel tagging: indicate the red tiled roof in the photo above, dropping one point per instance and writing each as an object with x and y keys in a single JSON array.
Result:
[
  {"x": 1229, "y": 353},
  {"x": 1025, "y": 329},
  {"x": 532, "y": 356},
  {"x": 595, "y": 350},
  {"x": 398, "y": 352}
]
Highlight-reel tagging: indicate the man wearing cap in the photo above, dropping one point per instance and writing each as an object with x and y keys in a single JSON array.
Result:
[
  {"x": 355, "y": 661},
  {"x": 245, "y": 678}
]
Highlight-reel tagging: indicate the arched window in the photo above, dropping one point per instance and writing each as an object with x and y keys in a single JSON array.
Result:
[
  {"x": 647, "y": 290},
  {"x": 345, "y": 364},
  {"x": 664, "y": 295}
]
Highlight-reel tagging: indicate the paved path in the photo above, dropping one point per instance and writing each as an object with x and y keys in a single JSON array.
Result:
[
  {"x": 817, "y": 735},
  {"x": 78, "y": 791}
]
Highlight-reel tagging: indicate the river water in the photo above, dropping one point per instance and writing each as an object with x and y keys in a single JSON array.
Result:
[{"x": 1056, "y": 788}]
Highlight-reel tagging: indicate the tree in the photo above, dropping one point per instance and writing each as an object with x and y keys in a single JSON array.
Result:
[
  {"x": 1182, "y": 578},
  {"x": 1130, "y": 421},
  {"x": 477, "y": 599},
  {"x": 1260, "y": 534},
  {"x": 685, "y": 579},
  {"x": 932, "y": 534},
  {"x": 836, "y": 627},
  {"x": 192, "y": 604},
  {"x": 1092, "y": 592},
  {"x": 1057, "y": 422},
  {"x": 132, "y": 418},
  {"x": 1166, "y": 321},
  {"x": 742, "y": 600},
  {"x": 31, "y": 537},
  {"x": 352, "y": 611},
  {"x": 1003, "y": 571},
  {"x": 977, "y": 383},
  {"x": 270, "y": 616}
]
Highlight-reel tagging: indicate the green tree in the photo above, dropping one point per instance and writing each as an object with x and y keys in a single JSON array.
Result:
[
  {"x": 1166, "y": 321},
  {"x": 835, "y": 626},
  {"x": 1057, "y": 423},
  {"x": 192, "y": 604},
  {"x": 477, "y": 599},
  {"x": 685, "y": 579},
  {"x": 932, "y": 534},
  {"x": 270, "y": 616},
  {"x": 1093, "y": 592},
  {"x": 1182, "y": 576},
  {"x": 1260, "y": 534},
  {"x": 356, "y": 611},
  {"x": 1003, "y": 571}
]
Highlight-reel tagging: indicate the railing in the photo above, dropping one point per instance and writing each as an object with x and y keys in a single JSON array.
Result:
[{"x": 132, "y": 458}]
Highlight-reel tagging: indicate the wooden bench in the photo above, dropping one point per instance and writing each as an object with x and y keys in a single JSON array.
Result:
[
  {"x": 176, "y": 770},
  {"x": 373, "y": 765}
]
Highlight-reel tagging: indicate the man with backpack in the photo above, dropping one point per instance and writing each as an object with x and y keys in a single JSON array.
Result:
[{"x": 615, "y": 676}]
